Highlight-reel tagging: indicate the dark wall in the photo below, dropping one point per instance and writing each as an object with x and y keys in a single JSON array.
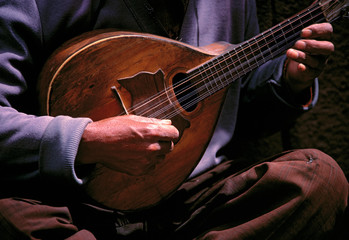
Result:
[{"x": 325, "y": 127}]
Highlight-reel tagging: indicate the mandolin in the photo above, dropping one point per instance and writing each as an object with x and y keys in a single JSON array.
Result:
[{"x": 110, "y": 73}]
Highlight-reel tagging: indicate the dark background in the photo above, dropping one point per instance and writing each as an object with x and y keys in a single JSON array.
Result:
[{"x": 326, "y": 127}]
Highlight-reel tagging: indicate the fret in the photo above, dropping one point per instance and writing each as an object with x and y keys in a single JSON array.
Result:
[
  {"x": 278, "y": 36},
  {"x": 206, "y": 76},
  {"x": 237, "y": 63},
  {"x": 260, "y": 56},
  {"x": 247, "y": 61},
  {"x": 213, "y": 75},
  {"x": 254, "y": 49},
  {"x": 225, "y": 71},
  {"x": 250, "y": 54},
  {"x": 210, "y": 74},
  {"x": 281, "y": 41},
  {"x": 283, "y": 33},
  {"x": 292, "y": 31},
  {"x": 272, "y": 43},
  {"x": 221, "y": 77},
  {"x": 300, "y": 20},
  {"x": 229, "y": 65},
  {"x": 318, "y": 17},
  {"x": 233, "y": 64},
  {"x": 265, "y": 49},
  {"x": 296, "y": 26},
  {"x": 304, "y": 17},
  {"x": 240, "y": 58}
]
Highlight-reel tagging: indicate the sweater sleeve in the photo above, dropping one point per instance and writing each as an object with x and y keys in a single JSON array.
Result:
[{"x": 31, "y": 146}]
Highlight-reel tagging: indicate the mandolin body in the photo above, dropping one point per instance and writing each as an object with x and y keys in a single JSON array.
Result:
[{"x": 108, "y": 73}]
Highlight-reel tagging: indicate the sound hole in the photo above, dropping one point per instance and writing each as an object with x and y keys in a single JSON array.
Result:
[{"x": 185, "y": 91}]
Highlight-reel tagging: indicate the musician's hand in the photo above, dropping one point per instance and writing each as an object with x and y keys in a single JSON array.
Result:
[
  {"x": 308, "y": 57},
  {"x": 128, "y": 144}
]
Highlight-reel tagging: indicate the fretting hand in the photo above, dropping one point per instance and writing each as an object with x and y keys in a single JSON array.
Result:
[{"x": 308, "y": 57}]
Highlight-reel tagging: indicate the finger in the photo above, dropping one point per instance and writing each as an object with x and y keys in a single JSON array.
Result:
[
  {"x": 308, "y": 72},
  {"x": 150, "y": 120},
  {"x": 316, "y": 62},
  {"x": 160, "y": 148},
  {"x": 315, "y": 47},
  {"x": 167, "y": 133},
  {"x": 166, "y": 146},
  {"x": 322, "y": 31},
  {"x": 160, "y": 121}
]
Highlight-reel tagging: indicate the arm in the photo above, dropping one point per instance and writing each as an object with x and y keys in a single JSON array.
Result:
[
  {"x": 284, "y": 88},
  {"x": 31, "y": 146}
]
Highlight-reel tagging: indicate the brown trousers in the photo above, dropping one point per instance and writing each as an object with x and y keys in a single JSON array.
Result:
[{"x": 295, "y": 195}]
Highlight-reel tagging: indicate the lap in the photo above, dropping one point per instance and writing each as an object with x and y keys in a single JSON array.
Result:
[
  {"x": 31, "y": 219},
  {"x": 291, "y": 195}
]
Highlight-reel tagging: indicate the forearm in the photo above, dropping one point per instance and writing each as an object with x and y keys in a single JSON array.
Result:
[{"x": 33, "y": 147}]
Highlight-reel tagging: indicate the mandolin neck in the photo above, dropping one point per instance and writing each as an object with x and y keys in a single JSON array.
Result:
[{"x": 224, "y": 69}]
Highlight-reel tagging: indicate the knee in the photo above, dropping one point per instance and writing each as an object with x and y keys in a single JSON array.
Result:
[
  {"x": 318, "y": 176},
  {"x": 328, "y": 186},
  {"x": 321, "y": 186}
]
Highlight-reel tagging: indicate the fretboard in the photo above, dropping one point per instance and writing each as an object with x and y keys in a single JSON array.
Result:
[{"x": 249, "y": 55}]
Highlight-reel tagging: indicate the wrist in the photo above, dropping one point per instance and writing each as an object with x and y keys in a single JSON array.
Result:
[{"x": 85, "y": 151}]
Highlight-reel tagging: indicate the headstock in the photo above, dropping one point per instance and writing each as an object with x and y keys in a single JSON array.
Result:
[{"x": 334, "y": 9}]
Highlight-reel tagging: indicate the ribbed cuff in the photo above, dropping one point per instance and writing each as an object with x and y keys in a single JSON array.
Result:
[{"x": 59, "y": 147}]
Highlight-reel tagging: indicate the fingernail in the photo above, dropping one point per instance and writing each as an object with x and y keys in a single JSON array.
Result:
[
  {"x": 166, "y": 121},
  {"x": 300, "y": 45},
  {"x": 306, "y": 32},
  {"x": 292, "y": 53}
]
